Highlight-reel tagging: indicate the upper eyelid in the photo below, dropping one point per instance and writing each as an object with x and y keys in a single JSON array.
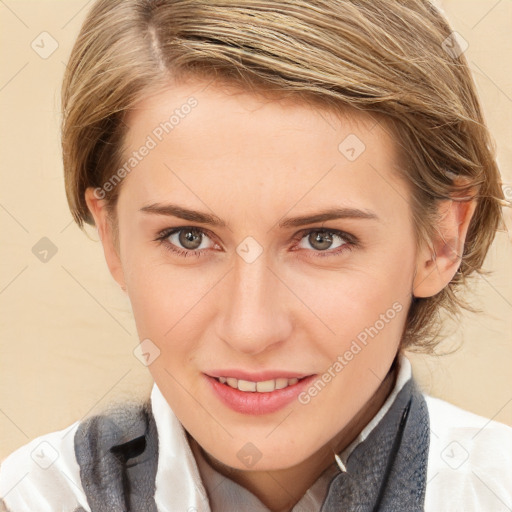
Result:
[
  {"x": 324, "y": 230},
  {"x": 164, "y": 233}
]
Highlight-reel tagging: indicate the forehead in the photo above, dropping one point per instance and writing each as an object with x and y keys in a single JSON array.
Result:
[{"x": 238, "y": 145}]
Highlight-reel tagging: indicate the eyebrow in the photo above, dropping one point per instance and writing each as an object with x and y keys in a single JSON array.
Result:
[
  {"x": 172, "y": 210},
  {"x": 328, "y": 214}
]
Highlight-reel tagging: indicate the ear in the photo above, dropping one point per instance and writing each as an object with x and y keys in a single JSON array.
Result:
[
  {"x": 438, "y": 261},
  {"x": 106, "y": 232}
]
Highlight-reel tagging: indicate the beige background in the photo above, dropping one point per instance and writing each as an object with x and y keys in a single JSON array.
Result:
[{"x": 67, "y": 334}]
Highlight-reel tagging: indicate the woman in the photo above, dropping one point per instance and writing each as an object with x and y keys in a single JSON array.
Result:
[{"x": 289, "y": 193}]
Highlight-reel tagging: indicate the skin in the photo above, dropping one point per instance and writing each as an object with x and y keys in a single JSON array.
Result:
[{"x": 253, "y": 162}]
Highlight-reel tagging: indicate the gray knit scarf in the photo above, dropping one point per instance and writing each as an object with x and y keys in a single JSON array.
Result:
[{"x": 118, "y": 455}]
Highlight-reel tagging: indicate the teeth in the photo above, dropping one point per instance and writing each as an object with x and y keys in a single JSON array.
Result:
[
  {"x": 265, "y": 386},
  {"x": 246, "y": 385},
  {"x": 281, "y": 383}
]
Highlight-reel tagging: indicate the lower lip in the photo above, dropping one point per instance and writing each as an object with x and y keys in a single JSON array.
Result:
[{"x": 258, "y": 403}]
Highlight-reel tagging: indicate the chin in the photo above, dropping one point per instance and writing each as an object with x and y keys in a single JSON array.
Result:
[{"x": 256, "y": 457}]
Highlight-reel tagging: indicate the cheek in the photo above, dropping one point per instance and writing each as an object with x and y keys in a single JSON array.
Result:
[
  {"x": 368, "y": 329},
  {"x": 349, "y": 301},
  {"x": 164, "y": 303},
  {"x": 161, "y": 297},
  {"x": 170, "y": 305}
]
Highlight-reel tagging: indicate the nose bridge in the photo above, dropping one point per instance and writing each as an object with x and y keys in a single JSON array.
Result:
[{"x": 253, "y": 319}]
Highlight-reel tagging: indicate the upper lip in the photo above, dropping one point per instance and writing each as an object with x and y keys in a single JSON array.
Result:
[{"x": 260, "y": 376}]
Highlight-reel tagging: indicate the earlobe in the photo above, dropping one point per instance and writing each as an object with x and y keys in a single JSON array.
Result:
[
  {"x": 103, "y": 223},
  {"x": 438, "y": 261}
]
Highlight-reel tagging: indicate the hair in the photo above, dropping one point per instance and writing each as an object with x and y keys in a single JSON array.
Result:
[{"x": 398, "y": 61}]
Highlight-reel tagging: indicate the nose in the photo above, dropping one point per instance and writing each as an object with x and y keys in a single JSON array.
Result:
[{"x": 253, "y": 315}]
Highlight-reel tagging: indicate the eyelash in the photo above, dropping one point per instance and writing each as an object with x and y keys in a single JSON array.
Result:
[{"x": 350, "y": 241}]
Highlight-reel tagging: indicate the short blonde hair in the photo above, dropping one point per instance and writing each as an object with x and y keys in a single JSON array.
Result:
[{"x": 396, "y": 60}]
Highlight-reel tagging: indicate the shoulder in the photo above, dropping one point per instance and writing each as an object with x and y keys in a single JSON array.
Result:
[
  {"x": 43, "y": 475},
  {"x": 470, "y": 461},
  {"x": 88, "y": 465}
]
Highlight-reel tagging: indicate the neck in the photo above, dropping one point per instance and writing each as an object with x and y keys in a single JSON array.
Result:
[{"x": 280, "y": 490}]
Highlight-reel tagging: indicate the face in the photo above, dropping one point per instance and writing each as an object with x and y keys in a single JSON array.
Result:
[{"x": 263, "y": 244}]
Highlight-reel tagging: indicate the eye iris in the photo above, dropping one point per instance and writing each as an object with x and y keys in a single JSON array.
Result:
[
  {"x": 322, "y": 238},
  {"x": 190, "y": 238}
]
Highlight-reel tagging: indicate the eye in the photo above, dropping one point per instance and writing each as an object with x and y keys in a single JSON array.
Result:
[
  {"x": 186, "y": 240},
  {"x": 192, "y": 241},
  {"x": 328, "y": 241}
]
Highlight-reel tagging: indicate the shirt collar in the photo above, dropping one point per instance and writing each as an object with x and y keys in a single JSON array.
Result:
[{"x": 178, "y": 482}]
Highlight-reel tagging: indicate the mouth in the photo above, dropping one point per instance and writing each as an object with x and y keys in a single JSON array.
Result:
[{"x": 257, "y": 396}]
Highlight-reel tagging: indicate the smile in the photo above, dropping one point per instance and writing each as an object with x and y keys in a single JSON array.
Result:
[{"x": 256, "y": 397}]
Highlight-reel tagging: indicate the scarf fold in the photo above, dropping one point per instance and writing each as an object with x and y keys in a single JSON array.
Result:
[
  {"x": 118, "y": 454},
  {"x": 388, "y": 470}
]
